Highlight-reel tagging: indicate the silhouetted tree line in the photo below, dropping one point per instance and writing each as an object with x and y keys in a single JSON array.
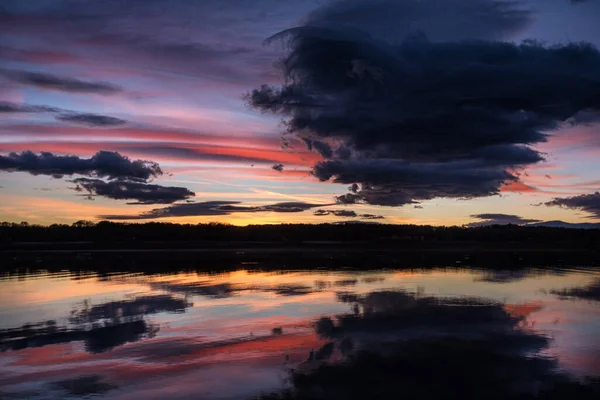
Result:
[{"x": 109, "y": 232}]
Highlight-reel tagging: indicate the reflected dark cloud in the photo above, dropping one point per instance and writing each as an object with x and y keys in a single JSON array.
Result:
[
  {"x": 217, "y": 291},
  {"x": 101, "y": 327},
  {"x": 124, "y": 190},
  {"x": 506, "y": 276},
  {"x": 345, "y": 282},
  {"x": 373, "y": 279},
  {"x": 84, "y": 385},
  {"x": 100, "y": 338},
  {"x": 347, "y": 297},
  {"x": 59, "y": 83},
  {"x": 319, "y": 284},
  {"x": 224, "y": 290},
  {"x": 590, "y": 292},
  {"x": 401, "y": 92},
  {"x": 139, "y": 306},
  {"x": 290, "y": 290},
  {"x": 397, "y": 345}
]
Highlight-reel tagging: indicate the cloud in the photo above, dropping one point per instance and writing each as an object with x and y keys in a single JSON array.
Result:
[
  {"x": 337, "y": 213},
  {"x": 499, "y": 219},
  {"x": 85, "y": 385},
  {"x": 586, "y": 202},
  {"x": 226, "y": 289},
  {"x": 59, "y": 83},
  {"x": 91, "y": 119},
  {"x": 7, "y": 107},
  {"x": 104, "y": 164},
  {"x": 439, "y": 20},
  {"x": 346, "y": 214},
  {"x": 278, "y": 167},
  {"x": 322, "y": 148},
  {"x": 125, "y": 190},
  {"x": 212, "y": 208},
  {"x": 137, "y": 307},
  {"x": 101, "y": 326},
  {"x": 416, "y": 346},
  {"x": 371, "y": 216},
  {"x": 590, "y": 292},
  {"x": 420, "y": 100}
]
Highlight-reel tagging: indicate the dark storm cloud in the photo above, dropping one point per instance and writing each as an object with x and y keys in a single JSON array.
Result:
[
  {"x": 586, "y": 202},
  {"x": 417, "y": 104},
  {"x": 124, "y": 190},
  {"x": 104, "y": 164},
  {"x": 59, "y": 83},
  {"x": 499, "y": 219},
  {"x": 322, "y": 148},
  {"x": 418, "y": 347},
  {"x": 94, "y": 120},
  {"x": 211, "y": 208},
  {"x": 226, "y": 289},
  {"x": 439, "y": 20},
  {"x": 590, "y": 292},
  {"x": 85, "y": 385}
]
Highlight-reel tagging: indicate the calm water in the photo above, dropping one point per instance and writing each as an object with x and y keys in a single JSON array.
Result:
[{"x": 318, "y": 334}]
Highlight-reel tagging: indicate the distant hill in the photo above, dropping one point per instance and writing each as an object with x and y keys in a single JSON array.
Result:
[{"x": 562, "y": 224}]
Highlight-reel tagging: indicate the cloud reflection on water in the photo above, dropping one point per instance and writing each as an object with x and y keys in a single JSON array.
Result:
[{"x": 177, "y": 335}]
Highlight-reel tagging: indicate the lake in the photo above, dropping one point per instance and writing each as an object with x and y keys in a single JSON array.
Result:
[{"x": 174, "y": 333}]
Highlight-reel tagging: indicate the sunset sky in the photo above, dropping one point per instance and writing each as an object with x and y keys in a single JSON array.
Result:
[{"x": 398, "y": 111}]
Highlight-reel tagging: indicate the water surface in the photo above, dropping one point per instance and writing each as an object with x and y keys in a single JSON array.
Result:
[{"x": 302, "y": 334}]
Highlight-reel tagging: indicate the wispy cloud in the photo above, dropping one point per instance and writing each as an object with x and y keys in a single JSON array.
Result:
[
  {"x": 346, "y": 214},
  {"x": 88, "y": 119},
  {"x": 499, "y": 219},
  {"x": 59, "y": 83},
  {"x": 213, "y": 208},
  {"x": 589, "y": 203},
  {"x": 125, "y": 190}
]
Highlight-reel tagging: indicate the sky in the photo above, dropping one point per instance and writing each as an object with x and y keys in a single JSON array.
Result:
[{"x": 442, "y": 112}]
